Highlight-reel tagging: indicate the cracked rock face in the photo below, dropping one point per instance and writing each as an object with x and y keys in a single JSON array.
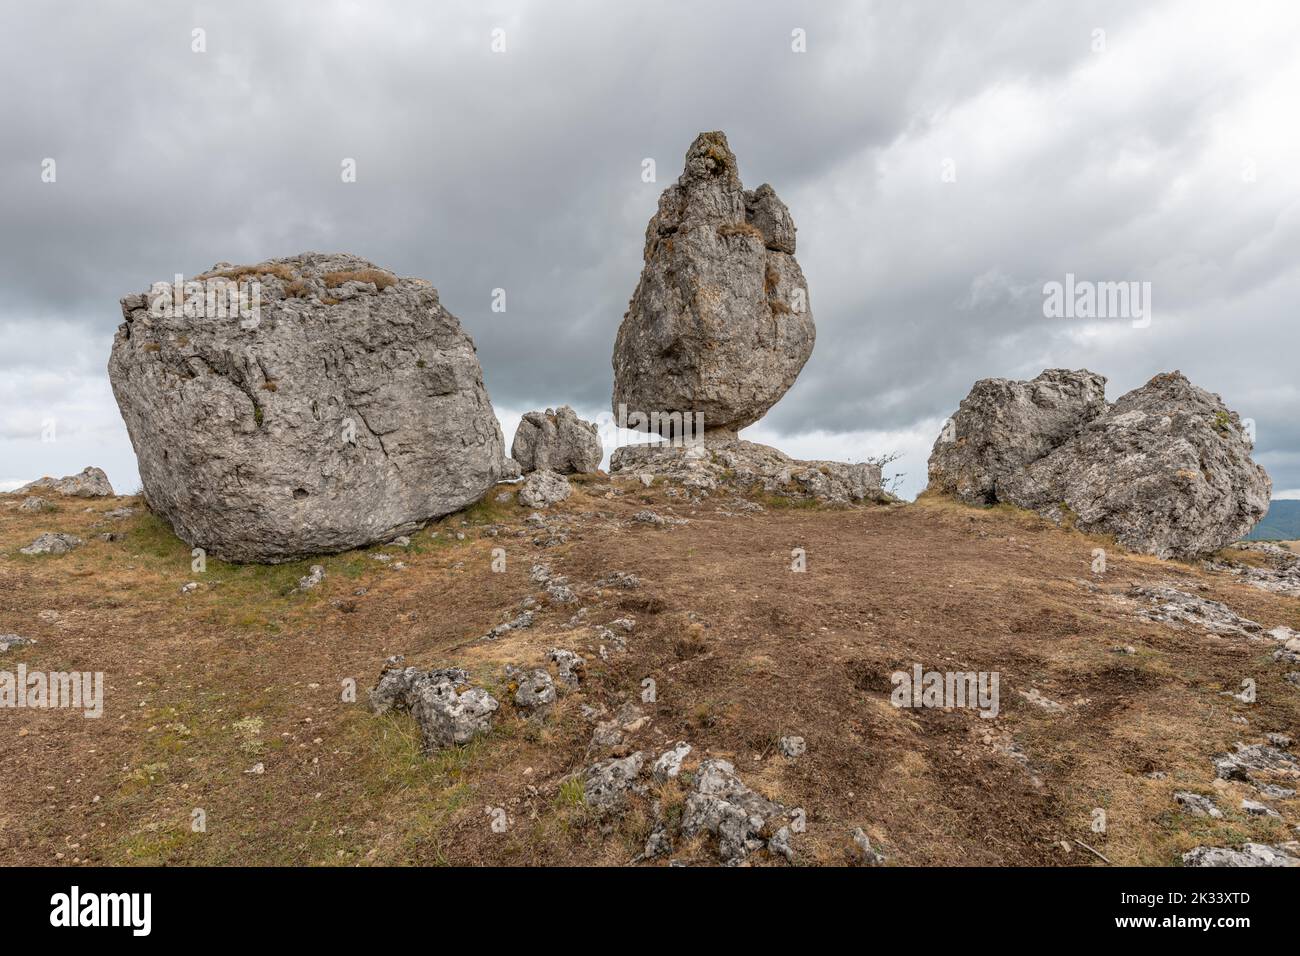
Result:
[
  {"x": 1004, "y": 425},
  {"x": 349, "y": 409},
  {"x": 720, "y": 323},
  {"x": 1248, "y": 854},
  {"x": 742, "y": 820},
  {"x": 1166, "y": 470},
  {"x": 90, "y": 482},
  {"x": 542, "y": 489},
  {"x": 52, "y": 542},
  {"x": 448, "y": 711},
  {"x": 558, "y": 441},
  {"x": 722, "y": 460}
]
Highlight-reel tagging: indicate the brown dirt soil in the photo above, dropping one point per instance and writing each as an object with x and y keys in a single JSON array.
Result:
[{"x": 202, "y": 688}]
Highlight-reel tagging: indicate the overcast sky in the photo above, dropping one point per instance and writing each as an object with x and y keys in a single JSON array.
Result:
[{"x": 942, "y": 162}]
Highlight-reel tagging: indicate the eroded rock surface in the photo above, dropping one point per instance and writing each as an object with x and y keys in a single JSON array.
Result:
[
  {"x": 1003, "y": 426},
  {"x": 722, "y": 461},
  {"x": 719, "y": 324},
  {"x": 541, "y": 489},
  {"x": 52, "y": 543},
  {"x": 448, "y": 710},
  {"x": 90, "y": 482},
  {"x": 557, "y": 440},
  {"x": 347, "y": 409},
  {"x": 1166, "y": 470}
]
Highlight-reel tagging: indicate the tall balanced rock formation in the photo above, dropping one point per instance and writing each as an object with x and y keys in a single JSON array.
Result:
[
  {"x": 340, "y": 407},
  {"x": 1166, "y": 469},
  {"x": 719, "y": 323}
]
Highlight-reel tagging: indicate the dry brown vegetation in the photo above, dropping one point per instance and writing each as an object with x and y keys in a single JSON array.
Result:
[
  {"x": 203, "y": 687},
  {"x": 382, "y": 280},
  {"x": 240, "y": 273}
]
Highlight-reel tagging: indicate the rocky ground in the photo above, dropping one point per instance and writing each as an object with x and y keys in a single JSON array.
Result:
[{"x": 1121, "y": 698}]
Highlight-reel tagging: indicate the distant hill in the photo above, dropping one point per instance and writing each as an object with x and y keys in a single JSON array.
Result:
[{"x": 1282, "y": 523}]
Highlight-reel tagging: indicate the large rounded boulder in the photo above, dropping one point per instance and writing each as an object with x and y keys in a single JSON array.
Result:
[
  {"x": 719, "y": 324},
  {"x": 300, "y": 406}
]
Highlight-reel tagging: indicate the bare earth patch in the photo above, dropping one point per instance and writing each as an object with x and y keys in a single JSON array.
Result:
[{"x": 244, "y": 671}]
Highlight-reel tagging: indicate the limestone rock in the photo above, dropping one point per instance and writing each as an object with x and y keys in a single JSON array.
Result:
[
  {"x": 1004, "y": 425},
  {"x": 719, "y": 460},
  {"x": 34, "y": 503},
  {"x": 720, "y": 804},
  {"x": 542, "y": 489},
  {"x": 1248, "y": 854},
  {"x": 1166, "y": 470},
  {"x": 719, "y": 324},
  {"x": 448, "y": 711},
  {"x": 558, "y": 441},
  {"x": 90, "y": 482},
  {"x": 9, "y": 641},
  {"x": 345, "y": 408},
  {"x": 52, "y": 543}
]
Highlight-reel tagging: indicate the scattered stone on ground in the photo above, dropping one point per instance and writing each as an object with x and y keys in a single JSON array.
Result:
[
  {"x": 570, "y": 666},
  {"x": 1169, "y": 605},
  {"x": 312, "y": 579},
  {"x": 866, "y": 854},
  {"x": 541, "y": 489},
  {"x": 9, "y": 641},
  {"x": 52, "y": 543},
  {"x": 1197, "y": 805},
  {"x": 449, "y": 711},
  {"x": 720, "y": 804},
  {"x": 35, "y": 503},
  {"x": 1248, "y": 854},
  {"x": 793, "y": 747}
]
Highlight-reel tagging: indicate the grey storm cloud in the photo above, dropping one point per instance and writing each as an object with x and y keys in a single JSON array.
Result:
[{"x": 942, "y": 162}]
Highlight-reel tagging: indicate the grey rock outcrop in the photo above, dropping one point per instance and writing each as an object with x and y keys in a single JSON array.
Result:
[
  {"x": 557, "y": 440},
  {"x": 722, "y": 460},
  {"x": 1003, "y": 426},
  {"x": 9, "y": 641},
  {"x": 541, "y": 489},
  {"x": 719, "y": 324},
  {"x": 90, "y": 482},
  {"x": 52, "y": 543},
  {"x": 1248, "y": 854},
  {"x": 34, "y": 503},
  {"x": 448, "y": 711},
  {"x": 720, "y": 804},
  {"x": 346, "y": 408},
  {"x": 1166, "y": 469}
]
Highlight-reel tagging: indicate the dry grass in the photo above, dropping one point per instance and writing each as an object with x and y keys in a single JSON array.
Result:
[
  {"x": 202, "y": 686},
  {"x": 726, "y": 230},
  {"x": 382, "y": 280},
  {"x": 239, "y": 273}
]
